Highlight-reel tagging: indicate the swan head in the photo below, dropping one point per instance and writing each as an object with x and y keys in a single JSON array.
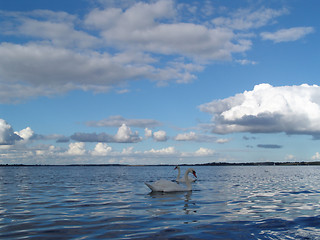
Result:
[
  {"x": 191, "y": 170},
  {"x": 177, "y": 167}
]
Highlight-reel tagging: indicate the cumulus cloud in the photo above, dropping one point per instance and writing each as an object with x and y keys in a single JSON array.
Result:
[
  {"x": 127, "y": 151},
  {"x": 201, "y": 152},
  {"x": 25, "y": 134},
  {"x": 268, "y": 109},
  {"x": 160, "y": 136},
  {"x": 77, "y": 148},
  {"x": 101, "y": 149},
  {"x": 117, "y": 121},
  {"x": 186, "y": 136},
  {"x": 286, "y": 35},
  {"x": 204, "y": 152},
  {"x": 147, "y": 133},
  {"x": 48, "y": 150},
  {"x": 125, "y": 135},
  {"x": 7, "y": 135}
]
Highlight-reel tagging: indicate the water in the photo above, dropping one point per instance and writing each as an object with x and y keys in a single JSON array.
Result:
[{"x": 103, "y": 202}]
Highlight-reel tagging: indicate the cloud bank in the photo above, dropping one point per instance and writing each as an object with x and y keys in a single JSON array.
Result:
[
  {"x": 117, "y": 121},
  {"x": 268, "y": 109},
  {"x": 196, "y": 137},
  {"x": 108, "y": 47},
  {"x": 124, "y": 135}
]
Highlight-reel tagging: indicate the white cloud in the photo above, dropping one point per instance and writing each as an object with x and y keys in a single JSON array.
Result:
[
  {"x": 77, "y": 148},
  {"x": 192, "y": 136},
  {"x": 163, "y": 151},
  {"x": 125, "y": 135},
  {"x": 201, "y": 152},
  {"x": 160, "y": 136},
  {"x": 127, "y": 151},
  {"x": 186, "y": 136},
  {"x": 61, "y": 34},
  {"x": 25, "y": 134},
  {"x": 151, "y": 27},
  {"x": 222, "y": 140},
  {"x": 204, "y": 152},
  {"x": 60, "y": 69},
  {"x": 77, "y": 152},
  {"x": 101, "y": 149},
  {"x": 58, "y": 52},
  {"x": 316, "y": 156},
  {"x": 147, "y": 133},
  {"x": 7, "y": 135},
  {"x": 266, "y": 109},
  {"x": 45, "y": 70},
  {"x": 286, "y": 35},
  {"x": 50, "y": 150}
]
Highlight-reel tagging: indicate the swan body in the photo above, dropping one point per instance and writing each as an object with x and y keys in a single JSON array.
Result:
[
  {"x": 182, "y": 180},
  {"x": 168, "y": 186}
]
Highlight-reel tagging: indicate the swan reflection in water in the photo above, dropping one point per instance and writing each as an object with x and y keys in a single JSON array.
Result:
[{"x": 174, "y": 202}]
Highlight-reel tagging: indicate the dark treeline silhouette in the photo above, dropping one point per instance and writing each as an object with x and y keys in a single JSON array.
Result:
[{"x": 202, "y": 164}]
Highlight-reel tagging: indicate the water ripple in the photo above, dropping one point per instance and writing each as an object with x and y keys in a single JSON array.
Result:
[{"x": 114, "y": 203}]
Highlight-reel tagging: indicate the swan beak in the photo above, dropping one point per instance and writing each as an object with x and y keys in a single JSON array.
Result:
[
  {"x": 175, "y": 168},
  {"x": 194, "y": 174}
]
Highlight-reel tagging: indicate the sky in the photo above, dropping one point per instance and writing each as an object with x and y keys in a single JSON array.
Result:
[{"x": 159, "y": 82}]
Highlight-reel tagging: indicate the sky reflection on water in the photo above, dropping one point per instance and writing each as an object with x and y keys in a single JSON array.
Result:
[{"x": 113, "y": 202}]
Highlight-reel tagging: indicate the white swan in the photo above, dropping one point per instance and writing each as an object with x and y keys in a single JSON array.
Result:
[
  {"x": 182, "y": 180},
  {"x": 168, "y": 186}
]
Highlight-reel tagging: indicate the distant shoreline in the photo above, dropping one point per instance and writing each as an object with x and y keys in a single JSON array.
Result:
[{"x": 203, "y": 164}]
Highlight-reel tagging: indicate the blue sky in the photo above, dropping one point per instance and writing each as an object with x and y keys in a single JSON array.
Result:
[{"x": 159, "y": 82}]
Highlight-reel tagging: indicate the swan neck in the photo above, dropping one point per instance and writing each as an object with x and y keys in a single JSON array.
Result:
[
  {"x": 179, "y": 172},
  {"x": 187, "y": 180}
]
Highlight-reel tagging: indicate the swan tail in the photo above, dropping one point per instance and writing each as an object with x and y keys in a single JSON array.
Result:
[{"x": 150, "y": 186}]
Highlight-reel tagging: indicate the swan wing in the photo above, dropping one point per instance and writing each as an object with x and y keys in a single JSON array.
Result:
[
  {"x": 165, "y": 186},
  {"x": 173, "y": 187},
  {"x": 181, "y": 180}
]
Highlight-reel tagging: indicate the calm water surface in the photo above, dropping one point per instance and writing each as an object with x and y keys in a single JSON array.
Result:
[{"x": 102, "y": 202}]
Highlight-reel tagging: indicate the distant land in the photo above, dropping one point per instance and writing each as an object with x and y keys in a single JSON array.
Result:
[{"x": 203, "y": 164}]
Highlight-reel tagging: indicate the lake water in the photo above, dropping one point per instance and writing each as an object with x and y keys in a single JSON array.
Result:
[{"x": 112, "y": 202}]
